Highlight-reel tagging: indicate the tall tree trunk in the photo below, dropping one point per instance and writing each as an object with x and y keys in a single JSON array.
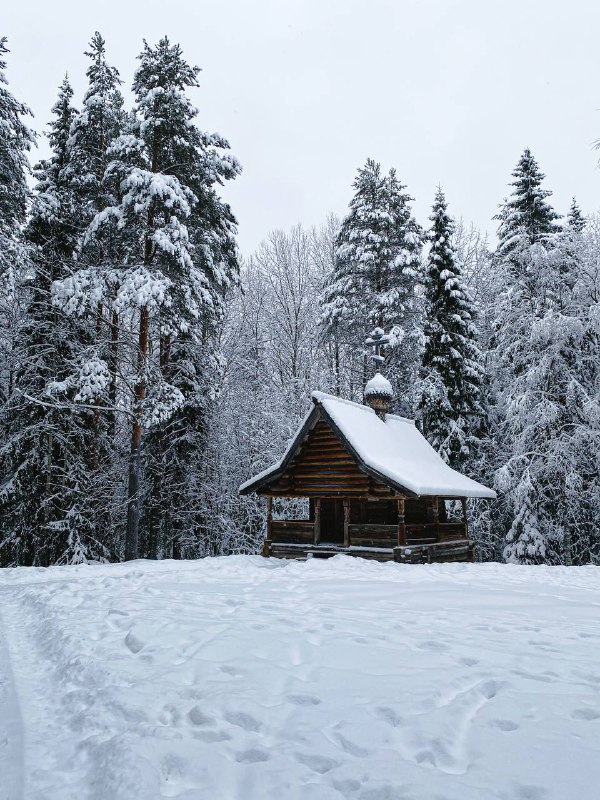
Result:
[
  {"x": 113, "y": 359},
  {"x": 133, "y": 489}
]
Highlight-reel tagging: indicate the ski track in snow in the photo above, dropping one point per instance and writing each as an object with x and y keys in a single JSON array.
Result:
[{"x": 244, "y": 678}]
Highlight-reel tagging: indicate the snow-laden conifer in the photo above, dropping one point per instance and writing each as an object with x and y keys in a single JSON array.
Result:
[
  {"x": 375, "y": 275},
  {"x": 177, "y": 251},
  {"x": 545, "y": 382},
  {"x": 450, "y": 398},
  {"x": 15, "y": 142},
  {"x": 44, "y": 503}
]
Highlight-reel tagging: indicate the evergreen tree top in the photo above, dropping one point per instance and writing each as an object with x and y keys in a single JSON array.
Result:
[
  {"x": 97, "y": 125},
  {"x": 377, "y": 255},
  {"x": 162, "y": 67},
  {"x": 49, "y": 172},
  {"x": 526, "y": 217},
  {"x": 442, "y": 224},
  {"x": 576, "y": 221},
  {"x": 103, "y": 79},
  {"x": 52, "y": 209},
  {"x": 15, "y": 141}
]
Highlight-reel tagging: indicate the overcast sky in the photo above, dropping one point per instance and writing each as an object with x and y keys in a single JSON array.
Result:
[{"x": 447, "y": 91}]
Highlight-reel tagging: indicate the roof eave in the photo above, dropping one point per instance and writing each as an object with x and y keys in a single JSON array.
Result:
[{"x": 264, "y": 480}]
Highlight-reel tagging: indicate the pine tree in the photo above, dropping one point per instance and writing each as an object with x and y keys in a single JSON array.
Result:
[
  {"x": 43, "y": 506},
  {"x": 176, "y": 241},
  {"x": 15, "y": 142},
  {"x": 373, "y": 281},
  {"x": 450, "y": 404}
]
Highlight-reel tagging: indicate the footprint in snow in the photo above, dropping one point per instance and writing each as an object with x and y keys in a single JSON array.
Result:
[
  {"x": 229, "y": 670},
  {"x": 211, "y": 736},
  {"x": 304, "y": 699},
  {"x": 346, "y": 786},
  {"x": 524, "y": 792},
  {"x": 351, "y": 748},
  {"x": 317, "y": 763},
  {"x": 251, "y": 756},
  {"x": 390, "y": 716},
  {"x": 433, "y": 645},
  {"x": 489, "y": 689},
  {"x": 588, "y": 714},
  {"x": 243, "y": 720},
  {"x": 505, "y": 724},
  {"x": 133, "y": 643},
  {"x": 197, "y": 717},
  {"x": 466, "y": 661}
]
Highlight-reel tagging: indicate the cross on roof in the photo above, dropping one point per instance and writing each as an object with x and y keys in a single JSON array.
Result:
[{"x": 377, "y": 339}]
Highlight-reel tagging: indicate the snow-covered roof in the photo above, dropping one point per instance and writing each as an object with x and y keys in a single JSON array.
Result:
[{"x": 393, "y": 449}]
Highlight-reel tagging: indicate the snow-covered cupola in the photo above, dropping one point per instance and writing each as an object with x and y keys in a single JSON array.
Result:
[{"x": 378, "y": 391}]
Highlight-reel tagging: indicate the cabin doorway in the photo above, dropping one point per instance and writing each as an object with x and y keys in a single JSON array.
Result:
[{"x": 332, "y": 521}]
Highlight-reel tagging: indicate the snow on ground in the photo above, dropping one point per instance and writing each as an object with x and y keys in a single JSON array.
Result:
[{"x": 254, "y": 679}]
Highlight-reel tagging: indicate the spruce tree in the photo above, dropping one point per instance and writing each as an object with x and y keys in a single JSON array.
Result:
[
  {"x": 44, "y": 515},
  {"x": 576, "y": 221},
  {"x": 374, "y": 278},
  {"x": 526, "y": 218},
  {"x": 450, "y": 404},
  {"x": 15, "y": 142}
]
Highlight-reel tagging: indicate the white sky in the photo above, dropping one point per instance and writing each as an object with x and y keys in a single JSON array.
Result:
[{"x": 447, "y": 91}]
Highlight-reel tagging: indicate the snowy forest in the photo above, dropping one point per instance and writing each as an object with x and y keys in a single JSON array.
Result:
[{"x": 148, "y": 368}]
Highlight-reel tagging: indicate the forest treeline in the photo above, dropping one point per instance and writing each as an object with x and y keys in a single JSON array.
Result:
[{"x": 147, "y": 370}]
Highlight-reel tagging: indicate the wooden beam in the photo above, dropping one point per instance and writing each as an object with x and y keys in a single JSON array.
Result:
[
  {"x": 401, "y": 523},
  {"x": 317, "y": 536},
  {"x": 436, "y": 516},
  {"x": 346, "y": 503},
  {"x": 269, "y": 517}
]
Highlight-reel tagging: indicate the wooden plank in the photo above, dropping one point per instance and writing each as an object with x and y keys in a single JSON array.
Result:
[
  {"x": 373, "y": 529},
  {"x": 346, "y": 503},
  {"x": 401, "y": 523},
  {"x": 269, "y": 516}
]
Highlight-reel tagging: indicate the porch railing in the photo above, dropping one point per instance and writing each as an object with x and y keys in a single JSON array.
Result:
[{"x": 368, "y": 534}]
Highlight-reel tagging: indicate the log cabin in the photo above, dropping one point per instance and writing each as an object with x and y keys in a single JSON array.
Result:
[{"x": 375, "y": 487}]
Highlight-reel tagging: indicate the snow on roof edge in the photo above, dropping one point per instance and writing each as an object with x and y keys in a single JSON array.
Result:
[
  {"x": 464, "y": 487},
  {"x": 277, "y": 465}
]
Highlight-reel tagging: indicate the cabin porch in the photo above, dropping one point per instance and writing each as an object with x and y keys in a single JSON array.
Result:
[{"x": 406, "y": 530}]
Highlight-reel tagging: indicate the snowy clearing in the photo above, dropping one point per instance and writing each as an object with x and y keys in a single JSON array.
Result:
[{"x": 250, "y": 678}]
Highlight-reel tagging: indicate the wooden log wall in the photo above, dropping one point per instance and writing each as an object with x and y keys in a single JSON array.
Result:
[
  {"x": 324, "y": 467},
  {"x": 292, "y": 531}
]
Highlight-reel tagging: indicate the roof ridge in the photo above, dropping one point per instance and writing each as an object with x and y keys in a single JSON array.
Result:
[{"x": 317, "y": 396}]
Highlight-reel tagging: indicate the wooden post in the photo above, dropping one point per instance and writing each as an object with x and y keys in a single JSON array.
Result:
[
  {"x": 269, "y": 517},
  {"x": 317, "y": 537},
  {"x": 436, "y": 517},
  {"x": 266, "y": 550},
  {"x": 401, "y": 523},
  {"x": 463, "y": 501},
  {"x": 346, "y": 503}
]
